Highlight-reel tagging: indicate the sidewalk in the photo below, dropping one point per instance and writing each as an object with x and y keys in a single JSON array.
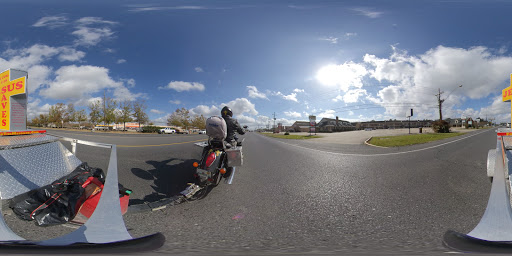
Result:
[{"x": 360, "y": 136}]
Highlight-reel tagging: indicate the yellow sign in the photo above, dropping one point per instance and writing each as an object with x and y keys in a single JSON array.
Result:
[
  {"x": 22, "y": 133},
  {"x": 12, "y": 113}
]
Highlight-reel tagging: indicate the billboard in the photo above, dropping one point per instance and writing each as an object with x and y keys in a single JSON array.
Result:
[{"x": 13, "y": 100}]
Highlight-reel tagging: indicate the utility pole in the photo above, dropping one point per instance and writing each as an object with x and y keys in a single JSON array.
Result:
[
  {"x": 104, "y": 108},
  {"x": 274, "y": 122},
  {"x": 440, "y": 104}
]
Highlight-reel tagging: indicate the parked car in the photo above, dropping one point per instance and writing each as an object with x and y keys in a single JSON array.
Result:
[
  {"x": 101, "y": 128},
  {"x": 167, "y": 130},
  {"x": 202, "y": 132}
]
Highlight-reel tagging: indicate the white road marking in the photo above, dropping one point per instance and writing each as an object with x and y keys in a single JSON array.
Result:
[{"x": 383, "y": 154}]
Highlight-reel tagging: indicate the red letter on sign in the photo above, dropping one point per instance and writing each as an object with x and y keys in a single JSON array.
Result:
[
  {"x": 4, "y": 122},
  {"x": 4, "y": 115},
  {"x": 19, "y": 85},
  {"x": 4, "y": 98}
]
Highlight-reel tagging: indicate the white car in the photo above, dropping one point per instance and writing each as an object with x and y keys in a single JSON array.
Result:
[
  {"x": 167, "y": 130},
  {"x": 202, "y": 132}
]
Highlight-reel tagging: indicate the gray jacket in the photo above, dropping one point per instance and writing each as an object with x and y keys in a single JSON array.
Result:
[{"x": 233, "y": 126}]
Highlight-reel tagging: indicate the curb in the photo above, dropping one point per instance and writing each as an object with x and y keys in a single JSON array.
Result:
[{"x": 366, "y": 142}]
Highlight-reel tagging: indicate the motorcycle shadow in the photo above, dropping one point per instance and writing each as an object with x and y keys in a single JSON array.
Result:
[{"x": 170, "y": 177}]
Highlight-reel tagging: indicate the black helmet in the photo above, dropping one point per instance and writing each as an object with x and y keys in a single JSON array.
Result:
[{"x": 226, "y": 111}]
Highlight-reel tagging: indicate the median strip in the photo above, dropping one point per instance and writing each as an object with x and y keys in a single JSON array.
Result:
[{"x": 409, "y": 139}]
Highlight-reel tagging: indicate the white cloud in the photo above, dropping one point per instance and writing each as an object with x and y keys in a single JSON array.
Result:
[
  {"x": 177, "y": 102},
  {"x": 254, "y": 93},
  {"x": 70, "y": 54},
  {"x": 293, "y": 114},
  {"x": 245, "y": 120},
  {"x": 120, "y": 61},
  {"x": 498, "y": 109},
  {"x": 78, "y": 82},
  {"x": 91, "y": 36},
  {"x": 241, "y": 106},
  {"x": 199, "y": 69},
  {"x": 164, "y": 8},
  {"x": 298, "y": 90},
  {"x": 181, "y": 86},
  {"x": 30, "y": 59},
  {"x": 416, "y": 79},
  {"x": 290, "y": 97},
  {"x": 205, "y": 111},
  {"x": 121, "y": 93},
  {"x": 34, "y": 109},
  {"x": 327, "y": 114},
  {"x": 367, "y": 12},
  {"x": 338, "y": 98},
  {"x": 26, "y": 57},
  {"x": 156, "y": 111},
  {"x": 51, "y": 22},
  {"x": 330, "y": 39},
  {"x": 129, "y": 82},
  {"x": 349, "y": 35},
  {"x": 88, "y": 21},
  {"x": 92, "y": 30},
  {"x": 352, "y": 96},
  {"x": 345, "y": 76},
  {"x": 160, "y": 121}
]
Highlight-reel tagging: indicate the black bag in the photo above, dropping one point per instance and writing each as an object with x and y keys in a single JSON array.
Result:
[{"x": 57, "y": 203}]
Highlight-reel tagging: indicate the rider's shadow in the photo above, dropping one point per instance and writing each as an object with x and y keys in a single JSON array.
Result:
[{"x": 169, "y": 178}]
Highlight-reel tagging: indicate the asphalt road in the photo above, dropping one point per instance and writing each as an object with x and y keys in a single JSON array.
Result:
[{"x": 302, "y": 197}]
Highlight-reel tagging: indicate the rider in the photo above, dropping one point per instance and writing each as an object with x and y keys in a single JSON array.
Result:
[{"x": 232, "y": 124}]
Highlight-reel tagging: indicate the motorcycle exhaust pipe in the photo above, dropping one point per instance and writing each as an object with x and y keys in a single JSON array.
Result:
[{"x": 229, "y": 180}]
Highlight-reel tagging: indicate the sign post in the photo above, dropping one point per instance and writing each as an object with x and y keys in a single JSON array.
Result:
[
  {"x": 13, "y": 103},
  {"x": 312, "y": 124}
]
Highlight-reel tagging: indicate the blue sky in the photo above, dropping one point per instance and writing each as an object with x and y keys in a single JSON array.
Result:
[{"x": 359, "y": 60}]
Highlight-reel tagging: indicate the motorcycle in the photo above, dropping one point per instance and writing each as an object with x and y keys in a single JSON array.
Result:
[{"x": 218, "y": 161}]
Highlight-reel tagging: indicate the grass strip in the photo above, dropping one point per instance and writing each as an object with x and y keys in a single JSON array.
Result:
[
  {"x": 410, "y": 139},
  {"x": 292, "y": 137}
]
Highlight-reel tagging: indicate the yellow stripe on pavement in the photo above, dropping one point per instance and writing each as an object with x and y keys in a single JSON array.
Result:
[{"x": 159, "y": 145}]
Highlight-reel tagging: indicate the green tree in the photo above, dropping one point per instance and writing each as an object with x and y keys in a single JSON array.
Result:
[
  {"x": 139, "y": 112},
  {"x": 95, "y": 112},
  {"x": 108, "y": 110},
  {"x": 80, "y": 117},
  {"x": 199, "y": 122},
  {"x": 180, "y": 117},
  {"x": 69, "y": 115},
  {"x": 35, "y": 122},
  {"x": 43, "y": 119},
  {"x": 125, "y": 113},
  {"x": 56, "y": 113}
]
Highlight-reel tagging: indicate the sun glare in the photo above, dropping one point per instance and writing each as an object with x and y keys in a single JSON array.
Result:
[{"x": 328, "y": 75}]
